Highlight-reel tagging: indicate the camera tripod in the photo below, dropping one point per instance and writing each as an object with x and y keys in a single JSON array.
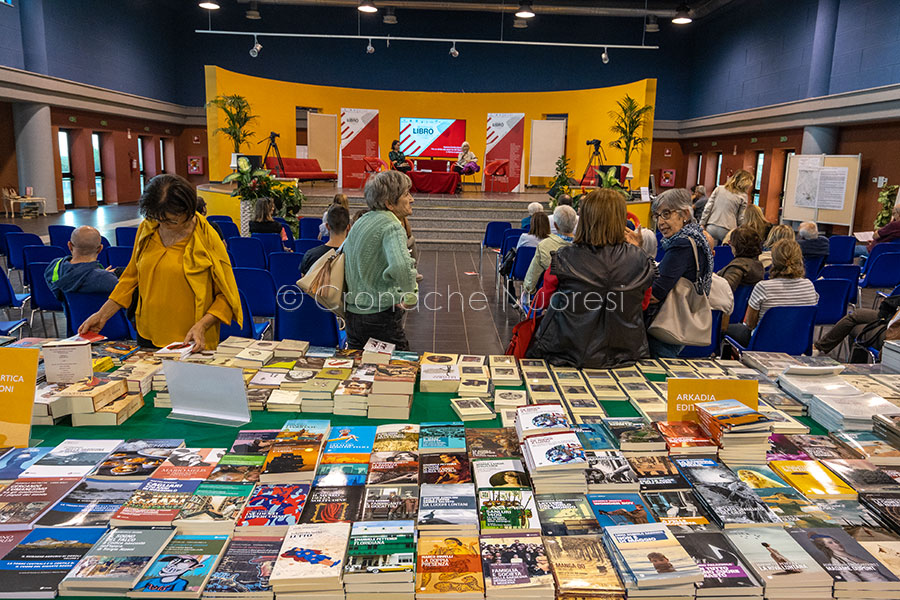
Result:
[
  {"x": 273, "y": 145},
  {"x": 594, "y": 162}
]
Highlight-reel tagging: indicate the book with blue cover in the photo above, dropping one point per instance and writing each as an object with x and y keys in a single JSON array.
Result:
[
  {"x": 594, "y": 436},
  {"x": 14, "y": 462},
  {"x": 441, "y": 437},
  {"x": 619, "y": 509},
  {"x": 349, "y": 444},
  {"x": 341, "y": 474},
  {"x": 90, "y": 504},
  {"x": 182, "y": 568},
  {"x": 314, "y": 429},
  {"x": 652, "y": 557}
]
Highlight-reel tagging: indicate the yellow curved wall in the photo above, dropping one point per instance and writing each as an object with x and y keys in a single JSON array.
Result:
[{"x": 275, "y": 102}]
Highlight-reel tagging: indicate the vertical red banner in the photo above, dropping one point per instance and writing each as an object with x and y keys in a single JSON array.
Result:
[
  {"x": 359, "y": 139},
  {"x": 503, "y": 158}
]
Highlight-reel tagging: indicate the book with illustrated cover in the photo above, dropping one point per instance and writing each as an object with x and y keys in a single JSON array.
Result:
[
  {"x": 619, "y": 509},
  {"x": 499, "y": 442},
  {"x": 17, "y": 460},
  {"x": 291, "y": 460},
  {"x": 885, "y": 506},
  {"x": 758, "y": 477},
  {"x": 39, "y": 562},
  {"x": 445, "y": 467},
  {"x": 651, "y": 555},
  {"x": 341, "y": 474},
  {"x": 513, "y": 564},
  {"x": 565, "y": 514},
  {"x": 244, "y": 569},
  {"x": 812, "y": 479},
  {"x": 24, "y": 501},
  {"x": 116, "y": 561},
  {"x": 349, "y": 444},
  {"x": 683, "y": 437},
  {"x": 312, "y": 557},
  {"x": 848, "y": 513},
  {"x": 507, "y": 509},
  {"x": 9, "y": 539},
  {"x": 886, "y": 551},
  {"x": 849, "y": 564},
  {"x": 71, "y": 458},
  {"x": 156, "y": 502},
  {"x": 657, "y": 473},
  {"x": 593, "y": 436},
  {"x": 704, "y": 471},
  {"x": 258, "y": 441},
  {"x": 135, "y": 459},
  {"x": 733, "y": 504},
  {"x": 433, "y": 358},
  {"x": 777, "y": 560},
  {"x": 394, "y": 379},
  {"x": 724, "y": 570},
  {"x": 609, "y": 470},
  {"x": 794, "y": 509},
  {"x": 182, "y": 568},
  {"x": 238, "y": 468},
  {"x": 397, "y": 437},
  {"x": 541, "y": 418},
  {"x": 635, "y": 434},
  {"x": 554, "y": 452},
  {"x": 333, "y": 505},
  {"x": 862, "y": 475},
  {"x": 819, "y": 447},
  {"x": 272, "y": 508},
  {"x": 581, "y": 567},
  {"x": 500, "y": 473},
  {"x": 93, "y": 393},
  {"x": 869, "y": 446},
  {"x": 381, "y": 552},
  {"x": 393, "y": 468},
  {"x": 676, "y": 508},
  {"x": 390, "y": 503},
  {"x": 442, "y": 437},
  {"x": 189, "y": 463},
  {"x": 91, "y": 503},
  {"x": 447, "y": 507},
  {"x": 449, "y": 566},
  {"x": 213, "y": 508}
]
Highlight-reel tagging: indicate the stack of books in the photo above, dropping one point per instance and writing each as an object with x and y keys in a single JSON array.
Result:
[
  {"x": 741, "y": 432},
  {"x": 635, "y": 435},
  {"x": 725, "y": 572},
  {"x": 311, "y": 561},
  {"x": 276, "y": 401},
  {"x": 439, "y": 378},
  {"x": 849, "y": 411},
  {"x": 890, "y": 355},
  {"x": 582, "y": 568},
  {"x": 868, "y": 445},
  {"x": 392, "y": 391},
  {"x": 449, "y": 565},
  {"x": 472, "y": 409},
  {"x": 381, "y": 560},
  {"x": 686, "y": 438},
  {"x": 294, "y": 453},
  {"x": 888, "y": 428},
  {"x": 514, "y": 566},
  {"x": 447, "y": 509},
  {"x": 376, "y": 352},
  {"x": 769, "y": 363},
  {"x": 556, "y": 461},
  {"x": 813, "y": 479}
]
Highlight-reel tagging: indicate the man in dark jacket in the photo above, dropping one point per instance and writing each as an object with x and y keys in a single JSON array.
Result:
[
  {"x": 81, "y": 273},
  {"x": 811, "y": 243}
]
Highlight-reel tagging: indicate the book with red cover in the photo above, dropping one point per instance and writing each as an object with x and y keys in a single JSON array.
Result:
[
  {"x": 684, "y": 437},
  {"x": 155, "y": 503},
  {"x": 25, "y": 500}
]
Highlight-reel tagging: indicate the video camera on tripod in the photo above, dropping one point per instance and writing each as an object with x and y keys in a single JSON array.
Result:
[
  {"x": 595, "y": 143},
  {"x": 273, "y": 145},
  {"x": 595, "y": 162}
]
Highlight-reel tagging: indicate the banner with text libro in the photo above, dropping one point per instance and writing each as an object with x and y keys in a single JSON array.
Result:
[
  {"x": 683, "y": 394},
  {"x": 505, "y": 137},
  {"x": 359, "y": 139},
  {"x": 18, "y": 375}
]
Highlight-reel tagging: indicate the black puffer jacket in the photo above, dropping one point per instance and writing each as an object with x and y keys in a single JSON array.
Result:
[{"x": 595, "y": 319}]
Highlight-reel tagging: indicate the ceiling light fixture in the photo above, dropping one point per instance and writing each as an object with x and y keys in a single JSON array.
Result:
[
  {"x": 210, "y": 5},
  {"x": 390, "y": 18},
  {"x": 605, "y": 56},
  {"x": 525, "y": 11},
  {"x": 520, "y": 23},
  {"x": 367, "y": 6},
  {"x": 370, "y": 49},
  {"x": 651, "y": 25},
  {"x": 253, "y": 12},
  {"x": 254, "y": 51},
  {"x": 453, "y": 51},
  {"x": 682, "y": 14}
]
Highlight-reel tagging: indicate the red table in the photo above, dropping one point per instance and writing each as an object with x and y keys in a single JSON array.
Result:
[{"x": 434, "y": 182}]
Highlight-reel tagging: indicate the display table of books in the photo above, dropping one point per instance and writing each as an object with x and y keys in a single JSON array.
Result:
[{"x": 503, "y": 479}]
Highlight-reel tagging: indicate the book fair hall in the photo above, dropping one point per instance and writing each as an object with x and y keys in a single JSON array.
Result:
[{"x": 450, "y": 299}]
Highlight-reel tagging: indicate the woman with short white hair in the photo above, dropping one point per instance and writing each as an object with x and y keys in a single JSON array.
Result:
[
  {"x": 532, "y": 208},
  {"x": 466, "y": 163},
  {"x": 565, "y": 218}
]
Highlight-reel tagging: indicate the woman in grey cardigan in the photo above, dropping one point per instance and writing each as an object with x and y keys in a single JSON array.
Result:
[{"x": 726, "y": 205}]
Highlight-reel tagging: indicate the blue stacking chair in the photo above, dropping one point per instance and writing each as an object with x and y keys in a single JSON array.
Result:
[
  {"x": 877, "y": 251},
  {"x": 287, "y": 230},
  {"x": 883, "y": 272},
  {"x": 493, "y": 237},
  {"x": 229, "y": 229},
  {"x": 42, "y": 298},
  {"x": 524, "y": 256},
  {"x": 43, "y": 254},
  {"x": 834, "y": 296},
  {"x": 60, "y": 236},
  {"x": 119, "y": 256},
  {"x": 304, "y": 244},
  {"x": 125, "y": 236},
  {"x": 248, "y": 328},
  {"x": 10, "y": 299},
  {"x": 812, "y": 266},
  {"x": 79, "y": 307},
  {"x": 714, "y": 343},
  {"x": 510, "y": 239},
  {"x": 849, "y": 272},
  {"x": 271, "y": 242},
  {"x": 723, "y": 255},
  {"x": 220, "y": 219},
  {"x": 258, "y": 286},
  {"x": 787, "y": 329},
  {"x": 247, "y": 252},
  {"x": 4, "y": 229},
  {"x": 103, "y": 257},
  {"x": 840, "y": 250},
  {"x": 741, "y": 299},
  {"x": 285, "y": 268},
  {"x": 16, "y": 257},
  {"x": 301, "y": 318},
  {"x": 882, "y": 295},
  {"x": 309, "y": 227}
]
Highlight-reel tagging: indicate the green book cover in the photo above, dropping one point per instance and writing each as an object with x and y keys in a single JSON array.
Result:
[
  {"x": 238, "y": 468},
  {"x": 507, "y": 509}
]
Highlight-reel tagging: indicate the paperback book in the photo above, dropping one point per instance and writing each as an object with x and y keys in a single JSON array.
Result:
[
  {"x": 17, "y": 460},
  {"x": 651, "y": 555},
  {"x": 447, "y": 507},
  {"x": 515, "y": 566},
  {"x": 676, "y": 508},
  {"x": 565, "y": 514},
  {"x": 500, "y": 473},
  {"x": 349, "y": 444},
  {"x": 442, "y": 437},
  {"x": 332, "y": 505},
  {"x": 182, "y": 568},
  {"x": 498, "y": 442},
  {"x": 507, "y": 509},
  {"x": 610, "y": 471},
  {"x": 272, "y": 508},
  {"x": 35, "y": 567},
  {"x": 135, "y": 459},
  {"x": 381, "y": 552},
  {"x": 311, "y": 558},
  {"x": 393, "y": 468},
  {"x": 91, "y": 503},
  {"x": 71, "y": 458},
  {"x": 238, "y": 468},
  {"x": 657, "y": 473},
  {"x": 445, "y": 467},
  {"x": 24, "y": 501},
  {"x": 213, "y": 508},
  {"x": 156, "y": 502},
  {"x": 581, "y": 567},
  {"x": 341, "y": 474},
  {"x": 619, "y": 509},
  {"x": 390, "y": 503},
  {"x": 244, "y": 569},
  {"x": 724, "y": 570},
  {"x": 449, "y": 567},
  {"x": 778, "y": 561},
  {"x": 189, "y": 463},
  {"x": 397, "y": 437}
]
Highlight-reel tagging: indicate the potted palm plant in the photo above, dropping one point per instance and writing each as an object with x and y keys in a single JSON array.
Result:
[
  {"x": 628, "y": 126},
  {"x": 237, "y": 116}
]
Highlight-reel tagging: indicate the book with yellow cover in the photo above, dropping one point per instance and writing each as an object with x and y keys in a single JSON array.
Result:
[
  {"x": 581, "y": 565},
  {"x": 449, "y": 566},
  {"x": 812, "y": 479},
  {"x": 433, "y": 358}
]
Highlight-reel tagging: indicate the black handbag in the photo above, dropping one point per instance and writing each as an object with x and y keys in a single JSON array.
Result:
[{"x": 506, "y": 264}]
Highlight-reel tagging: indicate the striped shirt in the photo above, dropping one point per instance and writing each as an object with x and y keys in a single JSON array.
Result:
[{"x": 782, "y": 292}]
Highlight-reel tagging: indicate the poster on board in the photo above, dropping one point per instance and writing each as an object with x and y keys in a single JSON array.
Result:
[
  {"x": 505, "y": 137},
  {"x": 359, "y": 139}
]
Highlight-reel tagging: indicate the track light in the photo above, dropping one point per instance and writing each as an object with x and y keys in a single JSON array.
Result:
[
  {"x": 390, "y": 18},
  {"x": 253, "y": 12},
  {"x": 367, "y": 6},
  {"x": 254, "y": 51},
  {"x": 370, "y": 49},
  {"x": 525, "y": 11},
  {"x": 682, "y": 14},
  {"x": 519, "y": 23},
  {"x": 605, "y": 57},
  {"x": 453, "y": 51},
  {"x": 651, "y": 25},
  {"x": 210, "y": 5}
]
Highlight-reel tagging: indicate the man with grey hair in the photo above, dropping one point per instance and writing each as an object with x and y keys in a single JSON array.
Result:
[
  {"x": 563, "y": 200},
  {"x": 565, "y": 218},
  {"x": 532, "y": 208},
  {"x": 811, "y": 243},
  {"x": 80, "y": 272}
]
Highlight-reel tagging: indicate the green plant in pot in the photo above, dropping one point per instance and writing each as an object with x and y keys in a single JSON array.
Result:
[
  {"x": 561, "y": 182},
  {"x": 628, "y": 126},
  {"x": 252, "y": 184},
  {"x": 237, "y": 116},
  {"x": 887, "y": 198}
]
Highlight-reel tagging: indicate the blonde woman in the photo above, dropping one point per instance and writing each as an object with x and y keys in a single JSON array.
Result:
[
  {"x": 755, "y": 220},
  {"x": 778, "y": 233},
  {"x": 726, "y": 205}
]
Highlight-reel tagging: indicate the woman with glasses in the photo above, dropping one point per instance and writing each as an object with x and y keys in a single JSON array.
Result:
[
  {"x": 179, "y": 270},
  {"x": 681, "y": 235}
]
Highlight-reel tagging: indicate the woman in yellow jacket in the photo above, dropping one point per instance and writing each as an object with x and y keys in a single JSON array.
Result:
[{"x": 180, "y": 269}]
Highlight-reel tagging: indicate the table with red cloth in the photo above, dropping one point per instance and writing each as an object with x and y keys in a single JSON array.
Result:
[{"x": 434, "y": 182}]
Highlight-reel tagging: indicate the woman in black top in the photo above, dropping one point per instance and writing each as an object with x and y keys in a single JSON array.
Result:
[
  {"x": 262, "y": 218},
  {"x": 397, "y": 158}
]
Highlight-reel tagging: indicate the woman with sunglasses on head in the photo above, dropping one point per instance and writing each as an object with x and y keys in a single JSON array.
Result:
[{"x": 180, "y": 270}]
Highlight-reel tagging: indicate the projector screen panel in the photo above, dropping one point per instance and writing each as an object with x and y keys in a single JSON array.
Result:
[{"x": 438, "y": 138}]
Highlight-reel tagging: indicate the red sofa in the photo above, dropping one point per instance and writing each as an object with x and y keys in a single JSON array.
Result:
[{"x": 304, "y": 169}]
